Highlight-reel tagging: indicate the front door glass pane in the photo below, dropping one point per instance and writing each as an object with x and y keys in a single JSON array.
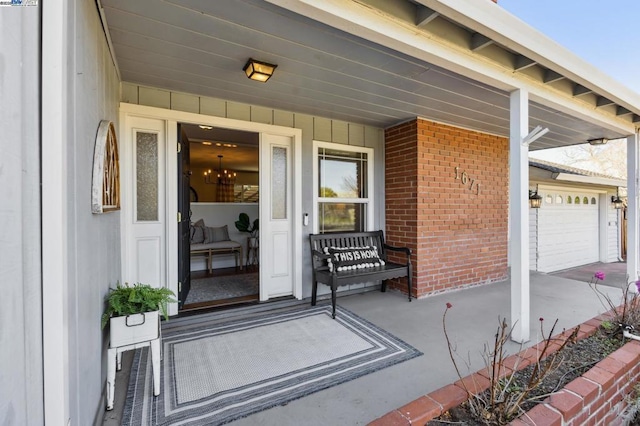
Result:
[
  {"x": 279, "y": 183},
  {"x": 146, "y": 176}
]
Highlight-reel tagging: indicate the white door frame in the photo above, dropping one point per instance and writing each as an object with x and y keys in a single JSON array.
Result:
[{"x": 172, "y": 118}]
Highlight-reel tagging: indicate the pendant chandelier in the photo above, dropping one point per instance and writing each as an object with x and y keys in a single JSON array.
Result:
[{"x": 224, "y": 176}]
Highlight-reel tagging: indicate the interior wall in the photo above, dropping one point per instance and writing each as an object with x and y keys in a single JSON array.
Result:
[
  {"x": 313, "y": 128},
  {"x": 21, "y": 357},
  {"x": 93, "y": 257},
  {"x": 220, "y": 214}
]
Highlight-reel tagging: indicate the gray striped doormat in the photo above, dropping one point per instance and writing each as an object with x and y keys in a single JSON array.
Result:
[{"x": 213, "y": 375}]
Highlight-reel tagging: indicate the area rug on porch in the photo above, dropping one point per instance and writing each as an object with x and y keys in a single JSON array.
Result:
[
  {"x": 216, "y": 374},
  {"x": 225, "y": 287}
]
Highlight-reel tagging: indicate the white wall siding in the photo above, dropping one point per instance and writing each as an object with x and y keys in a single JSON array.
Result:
[
  {"x": 313, "y": 128},
  {"x": 93, "y": 257},
  {"x": 21, "y": 358}
]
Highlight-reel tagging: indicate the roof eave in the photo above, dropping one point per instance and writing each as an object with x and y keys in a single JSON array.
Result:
[
  {"x": 374, "y": 25},
  {"x": 567, "y": 177},
  {"x": 493, "y": 21}
]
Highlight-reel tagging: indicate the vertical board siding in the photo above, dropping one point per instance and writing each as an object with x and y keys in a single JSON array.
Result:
[
  {"x": 322, "y": 129},
  {"x": 261, "y": 115},
  {"x": 340, "y": 132},
  {"x": 154, "y": 97},
  {"x": 239, "y": 111},
  {"x": 313, "y": 128},
  {"x": 92, "y": 252},
  {"x": 21, "y": 349},
  {"x": 283, "y": 118},
  {"x": 129, "y": 93},
  {"x": 183, "y": 102},
  {"x": 356, "y": 135},
  {"x": 212, "y": 106}
]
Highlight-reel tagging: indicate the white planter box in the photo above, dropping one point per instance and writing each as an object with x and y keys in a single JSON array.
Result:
[{"x": 131, "y": 329}]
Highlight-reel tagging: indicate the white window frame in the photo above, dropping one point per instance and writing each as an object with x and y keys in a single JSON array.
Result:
[{"x": 369, "y": 200}]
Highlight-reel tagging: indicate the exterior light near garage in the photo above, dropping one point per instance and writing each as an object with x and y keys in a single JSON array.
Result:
[
  {"x": 617, "y": 201},
  {"x": 535, "y": 200},
  {"x": 259, "y": 71}
]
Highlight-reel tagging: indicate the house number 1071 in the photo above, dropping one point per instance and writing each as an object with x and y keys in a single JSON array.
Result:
[{"x": 465, "y": 179}]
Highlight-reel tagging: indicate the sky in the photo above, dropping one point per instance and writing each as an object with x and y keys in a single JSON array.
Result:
[{"x": 605, "y": 33}]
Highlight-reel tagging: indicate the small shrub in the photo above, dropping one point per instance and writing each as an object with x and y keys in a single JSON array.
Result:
[
  {"x": 626, "y": 312},
  {"x": 136, "y": 299},
  {"x": 503, "y": 400}
]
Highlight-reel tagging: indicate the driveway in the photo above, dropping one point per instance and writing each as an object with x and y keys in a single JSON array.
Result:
[{"x": 615, "y": 273}]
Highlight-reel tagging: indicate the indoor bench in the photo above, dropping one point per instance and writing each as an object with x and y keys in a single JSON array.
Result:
[
  {"x": 220, "y": 247},
  {"x": 354, "y": 257}
]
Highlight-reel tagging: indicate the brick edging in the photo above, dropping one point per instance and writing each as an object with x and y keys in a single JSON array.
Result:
[{"x": 617, "y": 366}]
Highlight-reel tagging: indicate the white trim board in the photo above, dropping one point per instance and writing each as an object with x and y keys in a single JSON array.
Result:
[
  {"x": 595, "y": 180},
  {"x": 55, "y": 222}
]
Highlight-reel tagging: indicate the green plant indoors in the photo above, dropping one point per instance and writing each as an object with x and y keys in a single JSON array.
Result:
[
  {"x": 138, "y": 298},
  {"x": 243, "y": 224}
]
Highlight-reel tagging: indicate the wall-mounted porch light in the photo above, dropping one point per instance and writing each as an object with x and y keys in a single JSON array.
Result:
[
  {"x": 259, "y": 71},
  {"x": 616, "y": 201},
  {"x": 598, "y": 141},
  {"x": 535, "y": 200}
]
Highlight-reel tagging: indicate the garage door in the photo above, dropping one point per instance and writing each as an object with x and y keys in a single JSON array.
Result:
[{"x": 568, "y": 230}]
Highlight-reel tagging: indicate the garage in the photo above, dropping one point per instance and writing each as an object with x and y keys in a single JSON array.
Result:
[{"x": 568, "y": 229}]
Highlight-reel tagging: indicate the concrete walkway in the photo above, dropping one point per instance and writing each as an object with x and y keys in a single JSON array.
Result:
[{"x": 471, "y": 323}]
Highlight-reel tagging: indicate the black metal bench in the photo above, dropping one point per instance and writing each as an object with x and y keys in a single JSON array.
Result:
[{"x": 320, "y": 243}]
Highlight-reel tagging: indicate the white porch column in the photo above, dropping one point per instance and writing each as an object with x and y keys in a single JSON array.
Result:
[
  {"x": 55, "y": 217},
  {"x": 519, "y": 214},
  {"x": 632, "y": 208}
]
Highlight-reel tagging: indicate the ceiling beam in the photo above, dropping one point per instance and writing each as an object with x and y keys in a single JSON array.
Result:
[
  {"x": 602, "y": 101},
  {"x": 424, "y": 15},
  {"x": 636, "y": 119},
  {"x": 550, "y": 76},
  {"x": 478, "y": 41},
  {"x": 620, "y": 110},
  {"x": 579, "y": 90},
  {"x": 523, "y": 62}
]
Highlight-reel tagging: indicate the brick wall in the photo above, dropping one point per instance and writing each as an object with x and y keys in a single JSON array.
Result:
[
  {"x": 599, "y": 397},
  {"x": 456, "y": 227}
]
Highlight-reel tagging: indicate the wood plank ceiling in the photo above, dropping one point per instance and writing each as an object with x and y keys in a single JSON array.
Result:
[{"x": 200, "y": 47}]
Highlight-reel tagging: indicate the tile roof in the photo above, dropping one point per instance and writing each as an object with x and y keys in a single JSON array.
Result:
[{"x": 561, "y": 168}]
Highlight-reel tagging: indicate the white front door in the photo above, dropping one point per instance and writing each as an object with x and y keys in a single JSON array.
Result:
[
  {"x": 276, "y": 221},
  {"x": 149, "y": 193},
  {"x": 143, "y": 206}
]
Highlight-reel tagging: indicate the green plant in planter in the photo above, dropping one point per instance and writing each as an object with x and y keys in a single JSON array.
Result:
[
  {"x": 138, "y": 298},
  {"x": 243, "y": 224}
]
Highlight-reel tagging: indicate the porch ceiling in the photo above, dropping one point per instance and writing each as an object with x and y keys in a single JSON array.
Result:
[{"x": 200, "y": 47}]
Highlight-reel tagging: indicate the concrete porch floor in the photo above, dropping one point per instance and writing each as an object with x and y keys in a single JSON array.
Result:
[{"x": 471, "y": 323}]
